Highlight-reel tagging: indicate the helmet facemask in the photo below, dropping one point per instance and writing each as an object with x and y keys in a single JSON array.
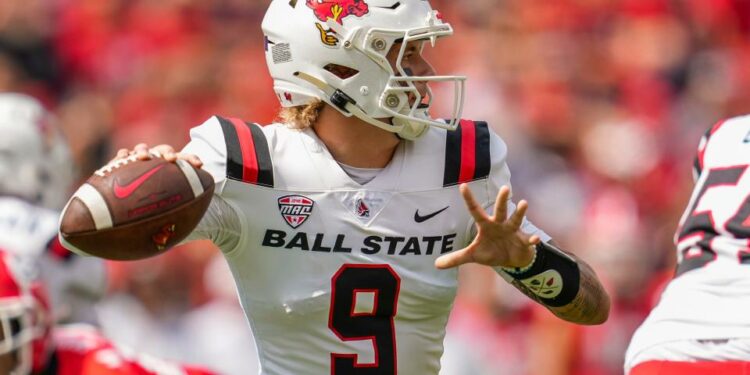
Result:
[
  {"x": 17, "y": 316},
  {"x": 25, "y": 318},
  {"x": 402, "y": 100}
]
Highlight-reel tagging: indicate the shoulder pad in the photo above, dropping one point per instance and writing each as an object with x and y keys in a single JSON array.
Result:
[
  {"x": 467, "y": 153},
  {"x": 248, "y": 156}
]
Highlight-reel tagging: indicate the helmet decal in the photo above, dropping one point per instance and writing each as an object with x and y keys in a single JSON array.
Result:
[
  {"x": 327, "y": 36},
  {"x": 337, "y": 10},
  {"x": 280, "y": 52}
]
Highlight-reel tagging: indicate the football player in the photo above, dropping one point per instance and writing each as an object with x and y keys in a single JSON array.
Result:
[
  {"x": 344, "y": 222},
  {"x": 30, "y": 344},
  {"x": 36, "y": 176},
  {"x": 701, "y": 325}
]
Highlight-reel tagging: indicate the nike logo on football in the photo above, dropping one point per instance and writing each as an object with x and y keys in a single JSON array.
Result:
[
  {"x": 419, "y": 218},
  {"x": 123, "y": 192}
]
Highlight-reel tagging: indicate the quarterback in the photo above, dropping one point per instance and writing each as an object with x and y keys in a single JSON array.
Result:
[
  {"x": 700, "y": 325},
  {"x": 343, "y": 223}
]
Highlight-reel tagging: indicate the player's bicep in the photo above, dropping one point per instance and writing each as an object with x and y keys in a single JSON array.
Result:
[{"x": 220, "y": 224}]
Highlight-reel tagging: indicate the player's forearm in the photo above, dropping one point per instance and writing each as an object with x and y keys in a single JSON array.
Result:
[
  {"x": 591, "y": 304},
  {"x": 580, "y": 299}
]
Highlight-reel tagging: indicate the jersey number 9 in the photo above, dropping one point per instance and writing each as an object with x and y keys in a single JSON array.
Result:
[{"x": 383, "y": 284}]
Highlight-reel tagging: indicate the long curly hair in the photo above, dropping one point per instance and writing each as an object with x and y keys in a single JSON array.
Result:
[{"x": 301, "y": 117}]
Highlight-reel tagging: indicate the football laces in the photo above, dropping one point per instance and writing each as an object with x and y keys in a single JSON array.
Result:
[{"x": 107, "y": 169}]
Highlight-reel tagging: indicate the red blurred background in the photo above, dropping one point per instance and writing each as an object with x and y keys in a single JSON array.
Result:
[{"x": 602, "y": 103}]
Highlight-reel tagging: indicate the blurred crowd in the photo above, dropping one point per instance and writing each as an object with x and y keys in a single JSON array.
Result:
[{"x": 602, "y": 104}]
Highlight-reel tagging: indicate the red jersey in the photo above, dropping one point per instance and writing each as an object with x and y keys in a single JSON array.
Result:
[{"x": 82, "y": 350}]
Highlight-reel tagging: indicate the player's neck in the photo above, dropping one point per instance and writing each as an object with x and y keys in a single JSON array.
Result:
[{"x": 354, "y": 142}]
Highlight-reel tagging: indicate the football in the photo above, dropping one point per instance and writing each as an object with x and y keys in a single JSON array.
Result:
[{"x": 134, "y": 209}]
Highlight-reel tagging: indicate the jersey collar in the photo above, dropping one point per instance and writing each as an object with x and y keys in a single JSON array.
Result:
[{"x": 334, "y": 177}]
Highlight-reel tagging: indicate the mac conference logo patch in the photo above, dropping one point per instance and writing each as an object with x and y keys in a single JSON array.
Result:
[{"x": 295, "y": 209}]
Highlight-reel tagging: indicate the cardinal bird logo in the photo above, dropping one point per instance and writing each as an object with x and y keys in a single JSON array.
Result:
[
  {"x": 362, "y": 209},
  {"x": 162, "y": 237},
  {"x": 337, "y": 10}
]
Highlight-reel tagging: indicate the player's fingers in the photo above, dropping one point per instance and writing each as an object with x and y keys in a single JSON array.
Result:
[
  {"x": 141, "y": 151},
  {"x": 534, "y": 239},
  {"x": 122, "y": 153},
  {"x": 455, "y": 258},
  {"x": 516, "y": 219},
  {"x": 474, "y": 208},
  {"x": 501, "y": 203},
  {"x": 194, "y": 160},
  {"x": 164, "y": 151}
]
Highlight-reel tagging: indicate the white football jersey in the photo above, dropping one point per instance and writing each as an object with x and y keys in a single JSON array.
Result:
[
  {"x": 74, "y": 282},
  {"x": 709, "y": 299},
  {"x": 337, "y": 277}
]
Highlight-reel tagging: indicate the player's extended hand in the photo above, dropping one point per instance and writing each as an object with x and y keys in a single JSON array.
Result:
[
  {"x": 499, "y": 240},
  {"x": 143, "y": 152}
]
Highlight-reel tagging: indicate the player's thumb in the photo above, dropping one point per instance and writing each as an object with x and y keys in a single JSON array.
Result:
[{"x": 453, "y": 259}]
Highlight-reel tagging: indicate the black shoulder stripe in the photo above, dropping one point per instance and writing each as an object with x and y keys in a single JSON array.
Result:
[
  {"x": 452, "y": 157},
  {"x": 234, "y": 151},
  {"x": 483, "y": 160},
  {"x": 263, "y": 156},
  {"x": 248, "y": 156},
  {"x": 697, "y": 168},
  {"x": 467, "y": 153}
]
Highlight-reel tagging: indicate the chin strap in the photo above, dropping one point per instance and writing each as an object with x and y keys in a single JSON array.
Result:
[
  {"x": 405, "y": 129},
  {"x": 410, "y": 130}
]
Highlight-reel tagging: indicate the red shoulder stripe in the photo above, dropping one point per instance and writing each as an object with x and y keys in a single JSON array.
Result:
[
  {"x": 468, "y": 151},
  {"x": 249, "y": 160},
  {"x": 704, "y": 143},
  {"x": 716, "y": 127}
]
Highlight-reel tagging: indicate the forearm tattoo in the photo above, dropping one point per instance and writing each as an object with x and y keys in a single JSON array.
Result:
[{"x": 590, "y": 304}]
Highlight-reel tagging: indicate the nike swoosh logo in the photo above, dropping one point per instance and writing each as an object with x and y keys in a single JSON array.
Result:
[
  {"x": 418, "y": 218},
  {"x": 123, "y": 192}
]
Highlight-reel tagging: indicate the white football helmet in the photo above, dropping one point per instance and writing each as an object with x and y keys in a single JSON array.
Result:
[
  {"x": 307, "y": 40},
  {"x": 35, "y": 161}
]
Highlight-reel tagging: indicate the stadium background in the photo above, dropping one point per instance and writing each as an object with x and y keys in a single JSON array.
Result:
[{"x": 602, "y": 103}]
